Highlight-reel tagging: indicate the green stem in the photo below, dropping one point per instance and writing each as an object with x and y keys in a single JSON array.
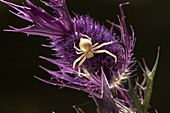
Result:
[
  {"x": 148, "y": 93},
  {"x": 135, "y": 98},
  {"x": 136, "y": 101}
]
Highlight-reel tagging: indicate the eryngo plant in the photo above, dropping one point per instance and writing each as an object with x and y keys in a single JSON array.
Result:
[{"x": 91, "y": 57}]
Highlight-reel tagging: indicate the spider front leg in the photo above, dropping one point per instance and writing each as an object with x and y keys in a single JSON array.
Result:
[
  {"x": 77, "y": 50},
  {"x": 105, "y": 51},
  {"x": 103, "y": 44},
  {"x": 76, "y": 47},
  {"x": 86, "y": 36}
]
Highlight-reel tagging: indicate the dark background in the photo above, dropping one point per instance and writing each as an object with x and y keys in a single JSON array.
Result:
[{"x": 20, "y": 92}]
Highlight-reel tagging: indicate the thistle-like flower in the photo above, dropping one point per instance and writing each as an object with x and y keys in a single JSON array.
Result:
[{"x": 89, "y": 55}]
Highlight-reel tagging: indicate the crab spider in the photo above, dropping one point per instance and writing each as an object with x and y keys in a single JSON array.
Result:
[{"x": 87, "y": 50}]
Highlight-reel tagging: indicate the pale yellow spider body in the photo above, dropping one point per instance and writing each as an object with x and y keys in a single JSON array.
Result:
[{"x": 87, "y": 49}]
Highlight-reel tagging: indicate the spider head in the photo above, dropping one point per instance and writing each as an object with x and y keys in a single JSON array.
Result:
[{"x": 85, "y": 45}]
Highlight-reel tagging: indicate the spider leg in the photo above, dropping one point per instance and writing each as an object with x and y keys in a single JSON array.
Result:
[
  {"x": 85, "y": 36},
  {"x": 78, "y": 52},
  {"x": 105, "y": 51},
  {"x": 76, "y": 47},
  {"x": 103, "y": 44},
  {"x": 81, "y": 62},
  {"x": 95, "y": 45},
  {"x": 78, "y": 59}
]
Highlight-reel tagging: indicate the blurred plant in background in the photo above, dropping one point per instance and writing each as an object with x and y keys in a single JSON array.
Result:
[{"x": 91, "y": 58}]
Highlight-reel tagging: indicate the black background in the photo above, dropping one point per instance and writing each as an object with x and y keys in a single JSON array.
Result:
[{"x": 20, "y": 92}]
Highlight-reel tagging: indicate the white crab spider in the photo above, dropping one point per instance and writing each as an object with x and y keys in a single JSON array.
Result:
[{"x": 87, "y": 50}]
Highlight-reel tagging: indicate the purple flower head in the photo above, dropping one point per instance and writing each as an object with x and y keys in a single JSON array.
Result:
[{"x": 85, "y": 49}]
